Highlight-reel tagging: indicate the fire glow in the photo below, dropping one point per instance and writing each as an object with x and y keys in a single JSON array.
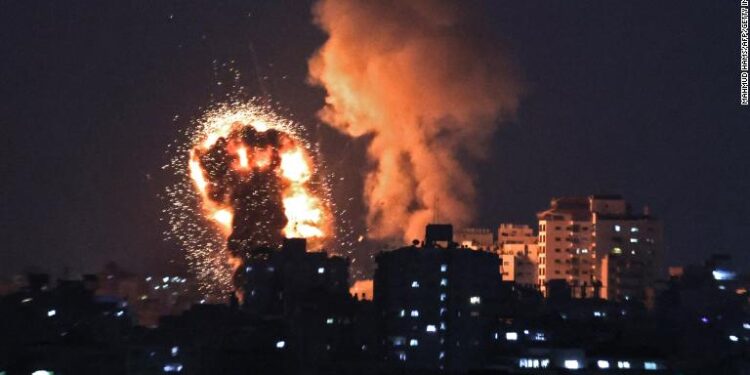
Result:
[{"x": 289, "y": 162}]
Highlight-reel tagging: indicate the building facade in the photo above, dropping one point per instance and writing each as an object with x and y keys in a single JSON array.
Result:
[
  {"x": 435, "y": 306},
  {"x": 599, "y": 247}
]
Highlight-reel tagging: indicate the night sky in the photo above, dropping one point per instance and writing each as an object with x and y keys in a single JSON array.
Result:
[{"x": 635, "y": 98}]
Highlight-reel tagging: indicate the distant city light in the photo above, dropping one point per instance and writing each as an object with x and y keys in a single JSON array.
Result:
[
  {"x": 746, "y": 325},
  {"x": 321, "y": 270},
  {"x": 175, "y": 350},
  {"x": 443, "y": 282},
  {"x": 415, "y": 313},
  {"x": 26, "y": 300},
  {"x": 51, "y": 313},
  {"x": 617, "y": 228},
  {"x": 415, "y": 284},
  {"x": 571, "y": 364},
  {"x": 165, "y": 279},
  {"x": 119, "y": 313},
  {"x": 430, "y": 328},
  {"x": 280, "y": 344},
  {"x": 173, "y": 367},
  {"x": 733, "y": 338},
  {"x": 650, "y": 366},
  {"x": 721, "y": 275},
  {"x": 329, "y": 321},
  {"x": 602, "y": 364},
  {"x": 623, "y": 364},
  {"x": 413, "y": 342},
  {"x": 475, "y": 300},
  {"x": 443, "y": 268},
  {"x": 511, "y": 336}
]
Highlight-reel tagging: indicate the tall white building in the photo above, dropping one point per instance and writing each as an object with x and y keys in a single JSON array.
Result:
[{"x": 599, "y": 247}]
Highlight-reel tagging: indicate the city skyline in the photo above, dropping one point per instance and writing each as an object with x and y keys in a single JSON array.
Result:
[{"x": 94, "y": 100}]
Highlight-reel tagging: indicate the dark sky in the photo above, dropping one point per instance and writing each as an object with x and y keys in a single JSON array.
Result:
[{"x": 633, "y": 97}]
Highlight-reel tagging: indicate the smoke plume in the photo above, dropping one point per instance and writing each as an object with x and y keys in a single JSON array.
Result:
[{"x": 428, "y": 83}]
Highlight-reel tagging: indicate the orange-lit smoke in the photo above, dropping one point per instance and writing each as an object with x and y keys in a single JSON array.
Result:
[{"x": 427, "y": 83}]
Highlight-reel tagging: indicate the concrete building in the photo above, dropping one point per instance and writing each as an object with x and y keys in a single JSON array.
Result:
[
  {"x": 520, "y": 263},
  {"x": 599, "y": 247},
  {"x": 475, "y": 238},
  {"x": 515, "y": 234},
  {"x": 436, "y": 305}
]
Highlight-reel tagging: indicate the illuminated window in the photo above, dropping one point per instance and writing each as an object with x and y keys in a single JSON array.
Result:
[
  {"x": 511, "y": 336},
  {"x": 414, "y": 313},
  {"x": 634, "y": 229},
  {"x": 602, "y": 364},
  {"x": 633, "y": 240},
  {"x": 402, "y": 313},
  {"x": 175, "y": 350},
  {"x": 650, "y": 366},
  {"x": 617, "y": 228},
  {"x": 280, "y": 344},
  {"x": 733, "y": 338},
  {"x": 623, "y": 364},
  {"x": 443, "y": 268},
  {"x": 51, "y": 313},
  {"x": 443, "y": 310},
  {"x": 443, "y": 296},
  {"x": 430, "y": 328},
  {"x": 475, "y": 300},
  {"x": 441, "y": 355},
  {"x": 443, "y": 282},
  {"x": 571, "y": 364},
  {"x": 321, "y": 270},
  {"x": 442, "y": 326},
  {"x": 616, "y": 250},
  {"x": 330, "y": 320},
  {"x": 415, "y": 284},
  {"x": 401, "y": 356},
  {"x": 172, "y": 367},
  {"x": 413, "y": 342}
]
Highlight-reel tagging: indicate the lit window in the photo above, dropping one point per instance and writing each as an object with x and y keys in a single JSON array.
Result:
[
  {"x": 329, "y": 321},
  {"x": 413, "y": 342},
  {"x": 616, "y": 250},
  {"x": 173, "y": 367},
  {"x": 414, "y": 313},
  {"x": 571, "y": 364},
  {"x": 248, "y": 269},
  {"x": 475, "y": 300},
  {"x": 120, "y": 313},
  {"x": 443, "y": 282},
  {"x": 402, "y": 356},
  {"x": 415, "y": 284},
  {"x": 26, "y": 300},
  {"x": 442, "y": 326},
  {"x": 430, "y": 328},
  {"x": 51, "y": 313},
  {"x": 441, "y": 355},
  {"x": 280, "y": 344},
  {"x": 617, "y": 228},
  {"x": 402, "y": 313},
  {"x": 602, "y": 364},
  {"x": 746, "y": 325},
  {"x": 633, "y": 240},
  {"x": 443, "y": 268},
  {"x": 511, "y": 336},
  {"x": 600, "y": 314},
  {"x": 321, "y": 270},
  {"x": 634, "y": 229},
  {"x": 443, "y": 310},
  {"x": 442, "y": 297},
  {"x": 165, "y": 279},
  {"x": 175, "y": 350},
  {"x": 398, "y": 341},
  {"x": 733, "y": 338},
  {"x": 650, "y": 366},
  {"x": 623, "y": 364}
]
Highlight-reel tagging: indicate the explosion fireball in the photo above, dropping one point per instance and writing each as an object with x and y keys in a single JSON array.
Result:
[{"x": 252, "y": 182}]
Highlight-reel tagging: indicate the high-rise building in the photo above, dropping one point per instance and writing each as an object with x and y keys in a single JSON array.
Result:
[
  {"x": 436, "y": 305},
  {"x": 515, "y": 234},
  {"x": 599, "y": 247}
]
